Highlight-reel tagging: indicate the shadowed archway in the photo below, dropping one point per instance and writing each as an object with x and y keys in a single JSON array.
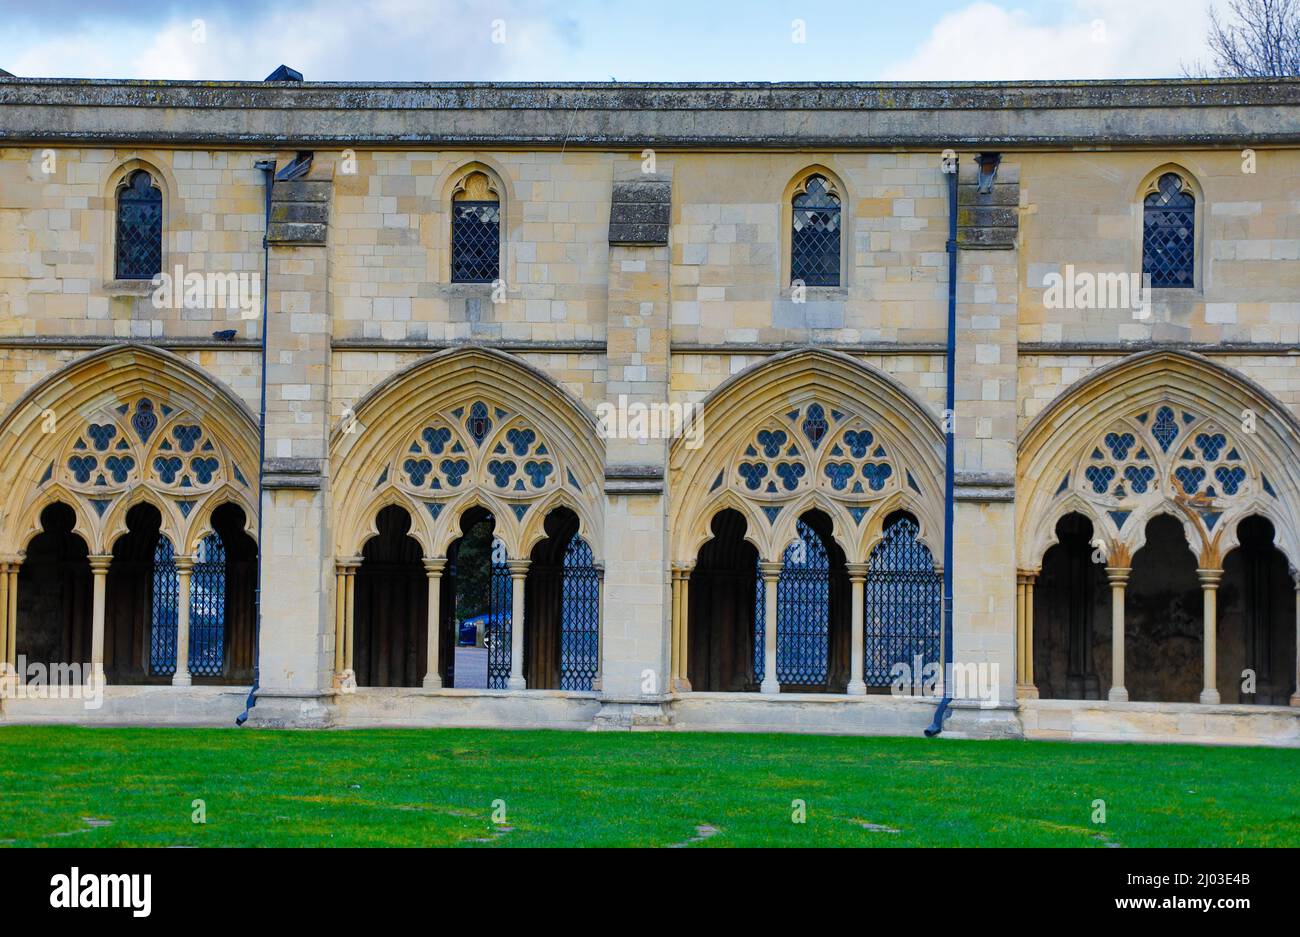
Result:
[
  {"x": 54, "y": 593},
  {"x": 722, "y": 590},
  {"x": 391, "y": 632}
]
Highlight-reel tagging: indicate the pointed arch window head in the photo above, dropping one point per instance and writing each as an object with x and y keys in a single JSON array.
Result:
[
  {"x": 138, "y": 246},
  {"x": 1169, "y": 234},
  {"x": 815, "y": 234},
  {"x": 475, "y": 231}
]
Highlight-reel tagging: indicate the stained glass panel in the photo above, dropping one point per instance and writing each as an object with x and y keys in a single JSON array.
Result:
[
  {"x": 475, "y": 241},
  {"x": 815, "y": 240},
  {"x": 139, "y": 228},
  {"x": 1168, "y": 241}
]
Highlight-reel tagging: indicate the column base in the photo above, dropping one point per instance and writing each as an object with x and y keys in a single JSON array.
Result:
[
  {"x": 1210, "y": 697},
  {"x": 516, "y": 683},
  {"x": 182, "y": 679},
  {"x": 681, "y": 685},
  {"x": 769, "y": 686},
  {"x": 1029, "y": 691},
  {"x": 1117, "y": 694},
  {"x": 432, "y": 682},
  {"x": 857, "y": 688},
  {"x": 1295, "y": 699}
]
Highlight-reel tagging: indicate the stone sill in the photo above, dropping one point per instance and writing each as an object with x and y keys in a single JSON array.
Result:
[
  {"x": 878, "y": 699},
  {"x": 396, "y": 692},
  {"x": 128, "y": 287},
  {"x": 1226, "y": 709}
]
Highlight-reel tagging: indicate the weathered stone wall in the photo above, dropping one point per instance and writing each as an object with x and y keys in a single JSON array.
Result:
[{"x": 661, "y": 308}]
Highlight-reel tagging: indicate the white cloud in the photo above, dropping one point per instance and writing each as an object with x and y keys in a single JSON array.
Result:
[
  {"x": 387, "y": 40},
  {"x": 1096, "y": 39}
]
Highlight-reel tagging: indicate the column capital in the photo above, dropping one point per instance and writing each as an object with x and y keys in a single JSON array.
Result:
[
  {"x": 1209, "y": 578},
  {"x": 683, "y": 570},
  {"x": 1118, "y": 575},
  {"x": 770, "y": 570},
  {"x": 857, "y": 570},
  {"x": 347, "y": 565},
  {"x": 1026, "y": 577},
  {"x": 184, "y": 564},
  {"x": 434, "y": 566},
  {"x": 99, "y": 562},
  {"x": 518, "y": 568}
]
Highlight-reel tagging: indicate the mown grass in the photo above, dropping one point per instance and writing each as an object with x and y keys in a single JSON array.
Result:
[{"x": 437, "y": 787}]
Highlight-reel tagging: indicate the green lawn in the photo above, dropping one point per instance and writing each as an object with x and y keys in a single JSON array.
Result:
[{"x": 107, "y": 787}]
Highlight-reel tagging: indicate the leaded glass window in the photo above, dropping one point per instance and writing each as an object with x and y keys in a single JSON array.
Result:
[
  {"x": 475, "y": 232},
  {"x": 815, "y": 239},
  {"x": 139, "y": 228},
  {"x": 164, "y": 617},
  {"x": 1168, "y": 234}
]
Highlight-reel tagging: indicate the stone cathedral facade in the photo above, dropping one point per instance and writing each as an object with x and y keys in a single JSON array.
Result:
[{"x": 626, "y": 406}]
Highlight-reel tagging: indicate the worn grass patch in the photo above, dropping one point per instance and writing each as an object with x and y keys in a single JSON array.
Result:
[{"x": 62, "y": 786}]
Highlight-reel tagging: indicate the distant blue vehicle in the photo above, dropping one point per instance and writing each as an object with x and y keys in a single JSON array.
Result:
[{"x": 487, "y": 623}]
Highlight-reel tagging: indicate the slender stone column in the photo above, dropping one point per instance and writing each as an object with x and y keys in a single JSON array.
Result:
[
  {"x": 1118, "y": 577},
  {"x": 11, "y": 611},
  {"x": 675, "y": 649},
  {"x": 1025, "y": 686},
  {"x": 1031, "y": 686},
  {"x": 684, "y": 671},
  {"x": 857, "y": 608},
  {"x": 433, "y": 569},
  {"x": 1295, "y": 697},
  {"x": 4, "y": 620},
  {"x": 518, "y": 577},
  {"x": 349, "y": 619},
  {"x": 771, "y": 574},
  {"x": 1020, "y": 632},
  {"x": 1210, "y": 579},
  {"x": 184, "y": 567},
  {"x": 340, "y": 620},
  {"x": 99, "y": 564}
]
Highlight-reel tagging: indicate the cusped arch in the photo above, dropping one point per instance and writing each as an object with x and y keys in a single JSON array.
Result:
[
  {"x": 863, "y": 440},
  {"x": 533, "y": 526},
  {"x": 115, "y": 527},
  {"x": 28, "y": 526},
  {"x": 1160, "y": 432},
  {"x": 199, "y": 523},
  {"x": 89, "y": 433},
  {"x": 466, "y": 426},
  {"x": 449, "y": 527}
]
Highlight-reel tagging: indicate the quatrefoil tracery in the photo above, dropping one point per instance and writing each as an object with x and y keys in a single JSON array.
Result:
[
  {"x": 1166, "y": 452},
  {"x": 477, "y": 443},
  {"x": 815, "y": 446}
]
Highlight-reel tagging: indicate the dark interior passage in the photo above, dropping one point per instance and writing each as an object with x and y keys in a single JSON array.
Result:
[
  {"x": 1072, "y": 636},
  {"x": 720, "y": 654},
  {"x": 1256, "y": 620},
  {"x": 54, "y": 593},
  {"x": 1163, "y": 627},
  {"x": 390, "y": 624}
]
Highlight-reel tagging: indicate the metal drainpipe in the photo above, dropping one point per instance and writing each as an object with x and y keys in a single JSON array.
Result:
[
  {"x": 950, "y": 435},
  {"x": 267, "y": 166}
]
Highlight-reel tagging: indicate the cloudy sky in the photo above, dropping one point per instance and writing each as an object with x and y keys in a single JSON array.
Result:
[{"x": 596, "y": 40}]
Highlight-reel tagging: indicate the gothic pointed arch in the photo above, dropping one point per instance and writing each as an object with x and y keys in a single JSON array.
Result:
[
  {"x": 125, "y": 424},
  {"x": 1160, "y": 432},
  {"x": 805, "y": 430},
  {"x": 464, "y": 428}
]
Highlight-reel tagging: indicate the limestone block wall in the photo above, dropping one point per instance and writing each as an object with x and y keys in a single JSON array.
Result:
[
  {"x": 1085, "y": 210},
  {"x": 56, "y": 238},
  {"x": 390, "y": 246},
  {"x": 731, "y": 243}
]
